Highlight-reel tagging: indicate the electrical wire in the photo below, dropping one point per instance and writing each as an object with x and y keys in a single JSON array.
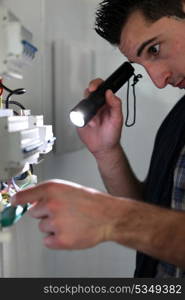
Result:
[
  {"x": 27, "y": 183},
  {"x": 31, "y": 169},
  {"x": 16, "y": 187},
  {"x": 11, "y": 92},
  {"x": 1, "y": 87},
  {"x": 1, "y": 93},
  {"x": 5, "y": 87},
  {"x": 17, "y": 104},
  {"x": 3, "y": 186},
  {"x": 14, "y": 92}
]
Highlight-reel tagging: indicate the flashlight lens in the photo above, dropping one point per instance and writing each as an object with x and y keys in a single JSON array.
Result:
[{"x": 77, "y": 118}]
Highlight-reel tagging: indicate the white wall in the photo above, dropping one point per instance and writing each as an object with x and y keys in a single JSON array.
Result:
[{"x": 73, "y": 19}]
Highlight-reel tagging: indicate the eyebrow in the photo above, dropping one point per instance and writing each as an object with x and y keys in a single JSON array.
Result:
[{"x": 143, "y": 45}]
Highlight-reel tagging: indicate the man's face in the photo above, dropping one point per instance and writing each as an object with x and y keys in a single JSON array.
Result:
[{"x": 159, "y": 47}]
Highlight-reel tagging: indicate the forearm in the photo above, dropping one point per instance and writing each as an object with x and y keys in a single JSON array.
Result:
[
  {"x": 156, "y": 231},
  {"x": 117, "y": 174}
]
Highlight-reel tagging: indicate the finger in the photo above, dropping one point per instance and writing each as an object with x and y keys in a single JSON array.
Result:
[
  {"x": 114, "y": 103},
  {"x": 94, "y": 84},
  {"x": 46, "y": 226},
  {"x": 86, "y": 92},
  {"x": 51, "y": 241},
  {"x": 29, "y": 195},
  {"x": 39, "y": 210}
]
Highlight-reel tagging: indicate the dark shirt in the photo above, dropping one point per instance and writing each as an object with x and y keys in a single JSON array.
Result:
[{"x": 160, "y": 187}]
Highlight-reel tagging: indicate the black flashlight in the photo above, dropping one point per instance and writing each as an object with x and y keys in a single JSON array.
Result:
[{"x": 87, "y": 108}]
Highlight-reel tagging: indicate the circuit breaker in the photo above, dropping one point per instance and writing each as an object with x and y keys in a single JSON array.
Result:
[
  {"x": 25, "y": 139},
  {"x": 16, "y": 47}
]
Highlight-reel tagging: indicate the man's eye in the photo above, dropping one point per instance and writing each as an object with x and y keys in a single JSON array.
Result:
[{"x": 154, "y": 50}]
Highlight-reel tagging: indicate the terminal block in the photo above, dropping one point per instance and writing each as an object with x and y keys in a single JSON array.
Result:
[{"x": 24, "y": 142}]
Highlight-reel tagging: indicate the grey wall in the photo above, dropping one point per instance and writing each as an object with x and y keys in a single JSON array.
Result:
[{"x": 73, "y": 20}]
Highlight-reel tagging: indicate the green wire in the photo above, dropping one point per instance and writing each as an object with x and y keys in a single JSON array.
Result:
[{"x": 11, "y": 214}]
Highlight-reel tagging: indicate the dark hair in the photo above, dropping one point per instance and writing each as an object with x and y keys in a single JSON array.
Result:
[{"x": 112, "y": 15}]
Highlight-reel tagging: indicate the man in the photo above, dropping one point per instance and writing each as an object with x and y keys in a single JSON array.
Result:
[{"x": 150, "y": 33}]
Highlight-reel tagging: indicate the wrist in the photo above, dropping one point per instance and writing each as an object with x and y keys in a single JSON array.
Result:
[
  {"x": 119, "y": 218},
  {"x": 108, "y": 154},
  {"x": 124, "y": 226}
]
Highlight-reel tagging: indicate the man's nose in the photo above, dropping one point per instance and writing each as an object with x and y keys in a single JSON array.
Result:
[{"x": 159, "y": 74}]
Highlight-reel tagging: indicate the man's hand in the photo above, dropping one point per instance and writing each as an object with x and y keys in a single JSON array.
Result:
[
  {"x": 71, "y": 216},
  {"x": 77, "y": 217},
  {"x": 102, "y": 134},
  {"x": 102, "y": 137}
]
